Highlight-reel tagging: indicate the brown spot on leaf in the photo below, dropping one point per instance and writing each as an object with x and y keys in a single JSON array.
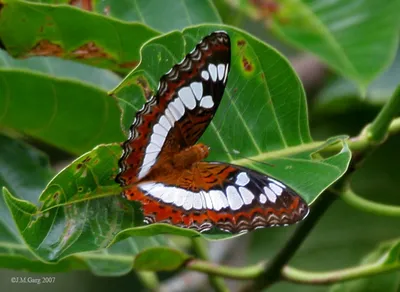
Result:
[
  {"x": 46, "y": 48},
  {"x": 142, "y": 82},
  {"x": 87, "y": 159},
  {"x": 129, "y": 65},
  {"x": 265, "y": 7},
  {"x": 83, "y": 4},
  {"x": 89, "y": 51},
  {"x": 246, "y": 64},
  {"x": 241, "y": 43},
  {"x": 79, "y": 166}
]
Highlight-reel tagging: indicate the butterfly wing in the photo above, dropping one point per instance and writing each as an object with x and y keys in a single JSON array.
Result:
[
  {"x": 232, "y": 198},
  {"x": 178, "y": 114}
]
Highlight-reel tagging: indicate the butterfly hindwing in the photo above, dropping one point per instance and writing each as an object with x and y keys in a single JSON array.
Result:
[
  {"x": 178, "y": 114},
  {"x": 232, "y": 198}
]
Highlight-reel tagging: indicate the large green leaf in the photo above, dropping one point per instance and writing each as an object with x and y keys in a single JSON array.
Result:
[
  {"x": 341, "y": 95},
  {"x": 32, "y": 29},
  {"x": 152, "y": 12},
  {"x": 70, "y": 115},
  {"x": 262, "y": 117},
  {"x": 25, "y": 171},
  {"x": 356, "y": 38}
]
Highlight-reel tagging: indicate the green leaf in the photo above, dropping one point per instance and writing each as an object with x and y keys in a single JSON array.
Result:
[
  {"x": 80, "y": 210},
  {"x": 25, "y": 171},
  {"x": 384, "y": 257},
  {"x": 341, "y": 95},
  {"x": 56, "y": 67},
  {"x": 160, "y": 259},
  {"x": 152, "y": 12},
  {"x": 67, "y": 114},
  {"x": 32, "y": 29},
  {"x": 356, "y": 38}
]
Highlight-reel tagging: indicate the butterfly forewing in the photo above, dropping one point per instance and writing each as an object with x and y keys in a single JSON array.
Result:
[
  {"x": 178, "y": 114},
  {"x": 162, "y": 168}
]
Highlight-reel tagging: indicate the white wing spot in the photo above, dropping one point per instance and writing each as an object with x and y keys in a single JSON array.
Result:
[
  {"x": 263, "y": 199},
  {"x": 197, "y": 88},
  {"x": 189, "y": 201},
  {"x": 160, "y": 130},
  {"x": 157, "y": 140},
  {"x": 226, "y": 73},
  {"x": 168, "y": 196},
  {"x": 270, "y": 194},
  {"x": 205, "y": 75},
  {"x": 180, "y": 197},
  {"x": 217, "y": 198},
  {"x": 149, "y": 158},
  {"x": 157, "y": 191},
  {"x": 234, "y": 199},
  {"x": 247, "y": 196},
  {"x": 221, "y": 69},
  {"x": 177, "y": 109},
  {"x": 277, "y": 182},
  {"x": 242, "y": 179},
  {"x": 174, "y": 112},
  {"x": 187, "y": 97},
  {"x": 169, "y": 116},
  {"x": 165, "y": 123},
  {"x": 213, "y": 71},
  {"x": 152, "y": 148},
  {"x": 146, "y": 186},
  {"x": 207, "y": 102},
  {"x": 208, "y": 200},
  {"x": 197, "y": 204},
  {"x": 277, "y": 189}
]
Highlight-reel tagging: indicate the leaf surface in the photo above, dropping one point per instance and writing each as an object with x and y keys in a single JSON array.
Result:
[
  {"x": 261, "y": 123},
  {"x": 91, "y": 38},
  {"x": 70, "y": 115},
  {"x": 356, "y": 38},
  {"x": 342, "y": 95}
]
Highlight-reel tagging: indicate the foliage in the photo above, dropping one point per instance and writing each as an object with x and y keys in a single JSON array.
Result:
[{"x": 73, "y": 74}]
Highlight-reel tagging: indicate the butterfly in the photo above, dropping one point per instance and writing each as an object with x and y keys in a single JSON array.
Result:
[{"x": 162, "y": 166}]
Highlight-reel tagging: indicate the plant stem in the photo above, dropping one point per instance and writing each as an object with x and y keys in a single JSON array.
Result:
[
  {"x": 272, "y": 272},
  {"x": 358, "y": 202},
  {"x": 201, "y": 251},
  {"x": 324, "y": 278},
  {"x": 378, "y": 129},
  {"x": 148, "y": 279},
  {"x": 238, "y": 273}
]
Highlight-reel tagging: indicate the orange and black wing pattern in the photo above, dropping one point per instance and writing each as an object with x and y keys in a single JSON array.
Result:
[
  {"x": 213, "y": 194},
  {"x": 163, "y": 168},
  {"x": 179, "y": 113}
]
